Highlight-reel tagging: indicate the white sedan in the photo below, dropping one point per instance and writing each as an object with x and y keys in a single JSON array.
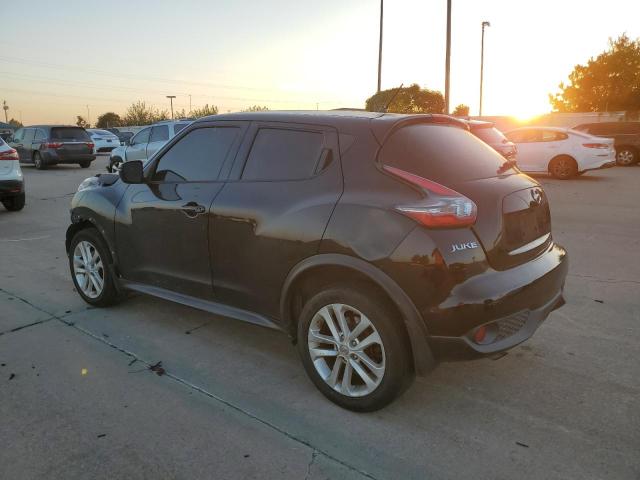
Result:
[
  {"x": 103, "y": 140},
  {"x": 562, "y": 152}
]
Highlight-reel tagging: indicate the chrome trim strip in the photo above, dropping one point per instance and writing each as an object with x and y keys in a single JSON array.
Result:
[{"x": 531, "y": 245}]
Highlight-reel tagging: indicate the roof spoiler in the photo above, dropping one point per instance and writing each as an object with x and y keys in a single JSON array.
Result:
[{"x": 382, "y": 130}]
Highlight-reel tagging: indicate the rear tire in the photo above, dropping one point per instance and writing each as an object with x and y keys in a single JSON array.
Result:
[
  {"x": 563, "y": 167},
  {"x": 626, "y": 156},
  {"x": 38, "y": 162},
  {"x": 379, "y": 351},
  {"x": 85, "y": 164},
  {"x": 89, "y": 262},
  {"x": 14, "y": 204}
]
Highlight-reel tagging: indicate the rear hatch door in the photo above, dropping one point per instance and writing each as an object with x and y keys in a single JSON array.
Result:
[{"x": 75, "y": 141}]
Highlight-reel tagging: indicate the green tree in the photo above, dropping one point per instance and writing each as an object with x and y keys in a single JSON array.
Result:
[
  {"x": 204, "y": 111},
  {"x": 108, "y": 120},
  {"x": 141, "y": 114},
  {"x": 412, "y": 99},
  {"x": 256, "y": 108},
  {"x": 461, "y": 110},
  {"x": 609, "y": 82},
  {"x": 15, "y": 123},
  {"x": 81, "y": 122}
]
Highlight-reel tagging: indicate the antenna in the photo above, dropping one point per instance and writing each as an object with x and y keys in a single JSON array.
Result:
[{"x": 384, "y": 109}]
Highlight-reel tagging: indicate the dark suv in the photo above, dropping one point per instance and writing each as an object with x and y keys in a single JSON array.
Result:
[
  {"x": 625, "y": 134},
  {"x": 378, "y": 242},
  {"x": 45, "y": 145}
]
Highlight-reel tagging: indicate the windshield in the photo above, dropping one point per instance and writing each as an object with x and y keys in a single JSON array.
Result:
[{"x": 445, "y": 154}]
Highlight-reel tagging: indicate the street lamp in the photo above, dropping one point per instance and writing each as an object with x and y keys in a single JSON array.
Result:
[
  {"x": 447, "y": 67},
  {"x": 380, "y": 46},
  {"x": 484, "y": 25},
  {"x": 171, "y": 97}
]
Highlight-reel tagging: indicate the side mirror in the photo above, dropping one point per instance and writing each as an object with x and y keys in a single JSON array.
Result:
[{"x": 132, "y": 172}]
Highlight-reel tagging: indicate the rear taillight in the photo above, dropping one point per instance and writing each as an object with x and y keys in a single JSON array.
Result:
[
  {"x": 595, "y": 145},
  {"x": 52, "y": 145},
  {"x": 90, "y": 145},
  {"x": 9, "y": 155},
  {"x": 443, "y": 207}
]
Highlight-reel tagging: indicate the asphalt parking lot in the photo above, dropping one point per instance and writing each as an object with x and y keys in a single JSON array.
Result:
[{"x": 77, "y": 399}]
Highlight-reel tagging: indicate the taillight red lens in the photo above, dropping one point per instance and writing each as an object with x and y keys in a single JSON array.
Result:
[
  {"x": 53, "y": 145},
  {"x": 443, "y": 207},
  {"x": 90, "y": 145},
  {"x": 480, "y": 334},
  {"x": 595, "y": 145},
  {"x": 11, "y": 154}
]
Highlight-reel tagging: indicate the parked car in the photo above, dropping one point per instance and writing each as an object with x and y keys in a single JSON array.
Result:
[
  {"x": 11, "y": 181},
  {"x": 489, "y": 134},
  {"x": 146, "y": 142},
  {"x": 378, "y": 242},
  {"x": 562, "y": 152},
  {"x": 6, "y": 131},
  {"x": 625, "y": 134},
  {"x": 103, "y": 140},
  {"x": 46, "y": 145},
  {"x": 124, "y": 137}
]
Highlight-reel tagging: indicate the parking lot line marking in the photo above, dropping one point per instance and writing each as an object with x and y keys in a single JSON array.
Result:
[{"x": 23, "y": 239}]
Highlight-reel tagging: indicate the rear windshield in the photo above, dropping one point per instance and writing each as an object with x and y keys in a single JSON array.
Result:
[
  {"x": 447, "y": 155},
  {"x": 69, "y": 134},
  {"x": 489, "y": 135}
]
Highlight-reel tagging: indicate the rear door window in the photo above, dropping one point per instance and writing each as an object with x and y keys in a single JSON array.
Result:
[
  {"x": 142, "y": 136},
  {"x": 29, "y": 134},
  {"x": 178, "y": 126},
  {"x": 40, "y": 135},
  {"x": 551, "y": 136},
  {"x": 69, "y": 134},
  {"x": 19, "y": 135},
  {"x": 280, "y": 154},
  {"x": 441, "y": 153},
  {"x": 160, "y": 133},
  {"x": 198, "y": 156}
]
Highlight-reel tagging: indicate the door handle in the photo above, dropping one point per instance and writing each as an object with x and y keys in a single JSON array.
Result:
[{"x": 193, "y": 209}]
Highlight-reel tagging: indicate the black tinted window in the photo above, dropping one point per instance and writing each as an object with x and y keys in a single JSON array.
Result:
[
  {"x": 69, "y": 134},
  {"x": 283, "y": 155},
  {"x": 178, "y": 127},
  {"x": 160, "y": 133},
  {"x": 447, "y": 155},
  {"x": 142, "y": 136},
  {"x": 196, "y": 157}
]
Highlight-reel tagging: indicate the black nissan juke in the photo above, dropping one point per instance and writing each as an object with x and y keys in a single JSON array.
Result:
[{"x": 380, "y": 243}]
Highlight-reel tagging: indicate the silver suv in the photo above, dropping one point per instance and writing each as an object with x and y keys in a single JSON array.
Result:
[{"x": 146, "y": 142}]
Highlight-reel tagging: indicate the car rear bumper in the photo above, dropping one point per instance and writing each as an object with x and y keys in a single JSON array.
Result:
[
  {"x": 509, "y": 304},
  {"x": 52, "y": 157},
  {"x": 9, "y": 188}
]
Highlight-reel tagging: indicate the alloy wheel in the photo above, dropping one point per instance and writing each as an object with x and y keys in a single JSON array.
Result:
[
  {"x": 561, "y": 168},
  {"x": 88, "y": 269},
  {"x": 625, "y": 157},
  {"x": 346, "y": 350}
]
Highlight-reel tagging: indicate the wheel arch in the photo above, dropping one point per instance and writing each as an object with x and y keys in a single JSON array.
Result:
[
  {"x": 317, "y": 271},
  {"x": 563, "y": 155}
]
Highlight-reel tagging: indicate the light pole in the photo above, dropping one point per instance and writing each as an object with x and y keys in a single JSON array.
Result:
[
  {"x": 88, "y": 116},
  {"x": 484, "y": 25},
  {"x": 447, "y": 67},
  {"x": 5, "y": 107},
  {"x": 171, "y": 97},
  {"x": 380, "y": 45},
  {"x": 189, "y": 104}
]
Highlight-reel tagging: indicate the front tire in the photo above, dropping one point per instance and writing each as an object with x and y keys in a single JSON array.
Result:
[
  {"x": 352, "y": 345},
  {"x": 14, "y": 204},
  {"x": 563, "y": 167},
  {"x": 626, "y": 156},
  {"x": 89, "y": 265},
  {"x": 85, "y": 164},
  {"x": 38, "y": 162},
  {"x": 114, "y": 164}
]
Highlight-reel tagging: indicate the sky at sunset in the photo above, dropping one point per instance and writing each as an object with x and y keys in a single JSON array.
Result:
[{"x": 290, "y": 54}]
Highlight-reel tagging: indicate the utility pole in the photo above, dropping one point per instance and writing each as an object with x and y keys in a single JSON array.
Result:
[
  {"x": 189, "y": 104},
  {"x": 380, "y": 46},
  {"x": 171, "y": 97},
  {"x": 447, "y": 67},
  {"x": 5, "y": 107},
  {"x": 88, "y": 116},
  {"x": 484, "y": 24}
]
